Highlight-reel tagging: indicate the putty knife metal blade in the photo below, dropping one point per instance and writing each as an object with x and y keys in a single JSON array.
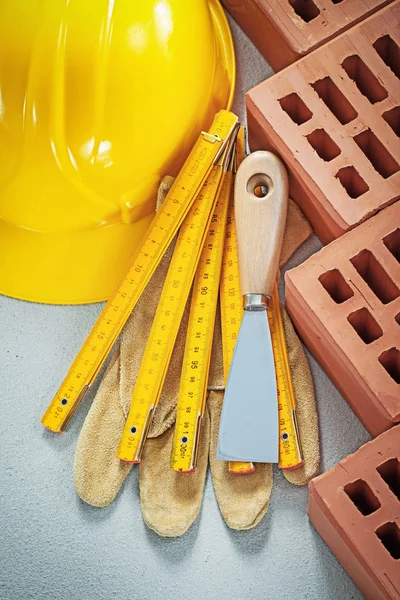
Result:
[
  {"x": 253, "y": 353},
  {"x": 249, "y": 419}
]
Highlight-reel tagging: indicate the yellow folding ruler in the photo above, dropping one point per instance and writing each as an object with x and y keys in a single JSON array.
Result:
[
  {"x": 290, "y": 452},
  {"x": 196, "y": 361},
  {"x": 220, "y": 252},
  {"x": 164, "y": 330},
  {"x": 146, "y": 258}
]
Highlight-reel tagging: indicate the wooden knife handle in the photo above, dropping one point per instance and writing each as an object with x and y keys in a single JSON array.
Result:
[{"x": 260, "y": 221}]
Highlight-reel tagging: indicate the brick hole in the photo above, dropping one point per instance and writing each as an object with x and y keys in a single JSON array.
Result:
[
  {"x": 375, "y": 151},
  {"x": 392, "y": 243},
  {"x": 336, "y": 1},
  {"x": 389, "y": 534},
  {"x": 390, "y": 361},
  {"x": 335, "y": 100},
  {"x": 392, "y": 118},
  {"x": 336, "y": 286},
  {"x": 390, "y": 473},
  {"x": 389, "y": 52},
  {"x": 352, "y": 181},
  {"x": 362, "y": 497},
  {"x": 294, "y": 106},
  {"x": 364, "y": 79},
  {"x": 375, "y": 276},
  {"x": 397, "y": 319},
  {"x": 306, "y": 9},
  {"x": 365, "y": 325},
  {"x": 323, "y": 145}
]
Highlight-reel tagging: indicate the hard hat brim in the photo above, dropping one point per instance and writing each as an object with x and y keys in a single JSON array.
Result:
[{"x": 35, "y": 274}]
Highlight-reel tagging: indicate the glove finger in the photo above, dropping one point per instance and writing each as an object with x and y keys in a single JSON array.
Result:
[
  {"x": 98, "y": 473},
  {"x": 306, "y": 409},
  {"x": 242, "y": 499},
  {"x": 171, "y": 501}
]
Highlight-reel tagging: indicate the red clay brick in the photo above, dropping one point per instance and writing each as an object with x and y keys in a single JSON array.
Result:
[
  {"x": 345, "y": 303},
  {"x": 355, "y": 507},
  {"x": 286, "y": 30},
  {"x": 334, "y": 119}
]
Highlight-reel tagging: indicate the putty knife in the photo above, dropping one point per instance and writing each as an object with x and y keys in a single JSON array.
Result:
[{"x": 249, "y": 421}]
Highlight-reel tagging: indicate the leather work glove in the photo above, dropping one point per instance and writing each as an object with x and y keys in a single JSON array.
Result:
[{"x": 171, "y": 501}]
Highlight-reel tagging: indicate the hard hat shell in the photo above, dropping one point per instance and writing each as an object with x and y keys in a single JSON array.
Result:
[{"x": 98, "y": 100}]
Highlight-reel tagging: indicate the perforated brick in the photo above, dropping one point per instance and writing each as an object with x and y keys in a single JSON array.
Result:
[
  {"x": 345, "y": 303},
  {"x": 285, "y": 30},
  {"x": 355, "y": 507},
  {"x": 334, "y": 118}
]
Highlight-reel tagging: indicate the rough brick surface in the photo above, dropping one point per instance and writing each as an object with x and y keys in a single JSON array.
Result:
[
  {"x": 345, "y": 303},
  {"x": 334, "y": 118},
  {"x": 285, "y": 30},
  {"x": 355, "y": 507}
]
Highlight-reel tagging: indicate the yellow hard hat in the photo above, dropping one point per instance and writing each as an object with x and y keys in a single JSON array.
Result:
[{"x": 98, "y": 100}]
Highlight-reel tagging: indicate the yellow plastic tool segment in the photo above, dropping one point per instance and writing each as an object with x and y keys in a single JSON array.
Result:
[
  {"x": 165, "y": 327},
  {"x": 290, "y": 452},
  {"x": 196, "y": 361},
  {"x": 98, "y": 101},
  {"x": 143, "y": 264}
]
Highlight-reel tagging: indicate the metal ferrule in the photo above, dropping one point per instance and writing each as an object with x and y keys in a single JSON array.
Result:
[
  {"x": 256, "y": 301},
  {"x": 227, "y": 151}
]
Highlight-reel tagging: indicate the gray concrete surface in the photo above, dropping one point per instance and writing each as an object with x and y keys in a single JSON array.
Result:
[{"x": 54, "y": 547}]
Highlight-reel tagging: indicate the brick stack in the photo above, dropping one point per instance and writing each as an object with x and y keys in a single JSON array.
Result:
[{"x": 334, "y": 118}]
